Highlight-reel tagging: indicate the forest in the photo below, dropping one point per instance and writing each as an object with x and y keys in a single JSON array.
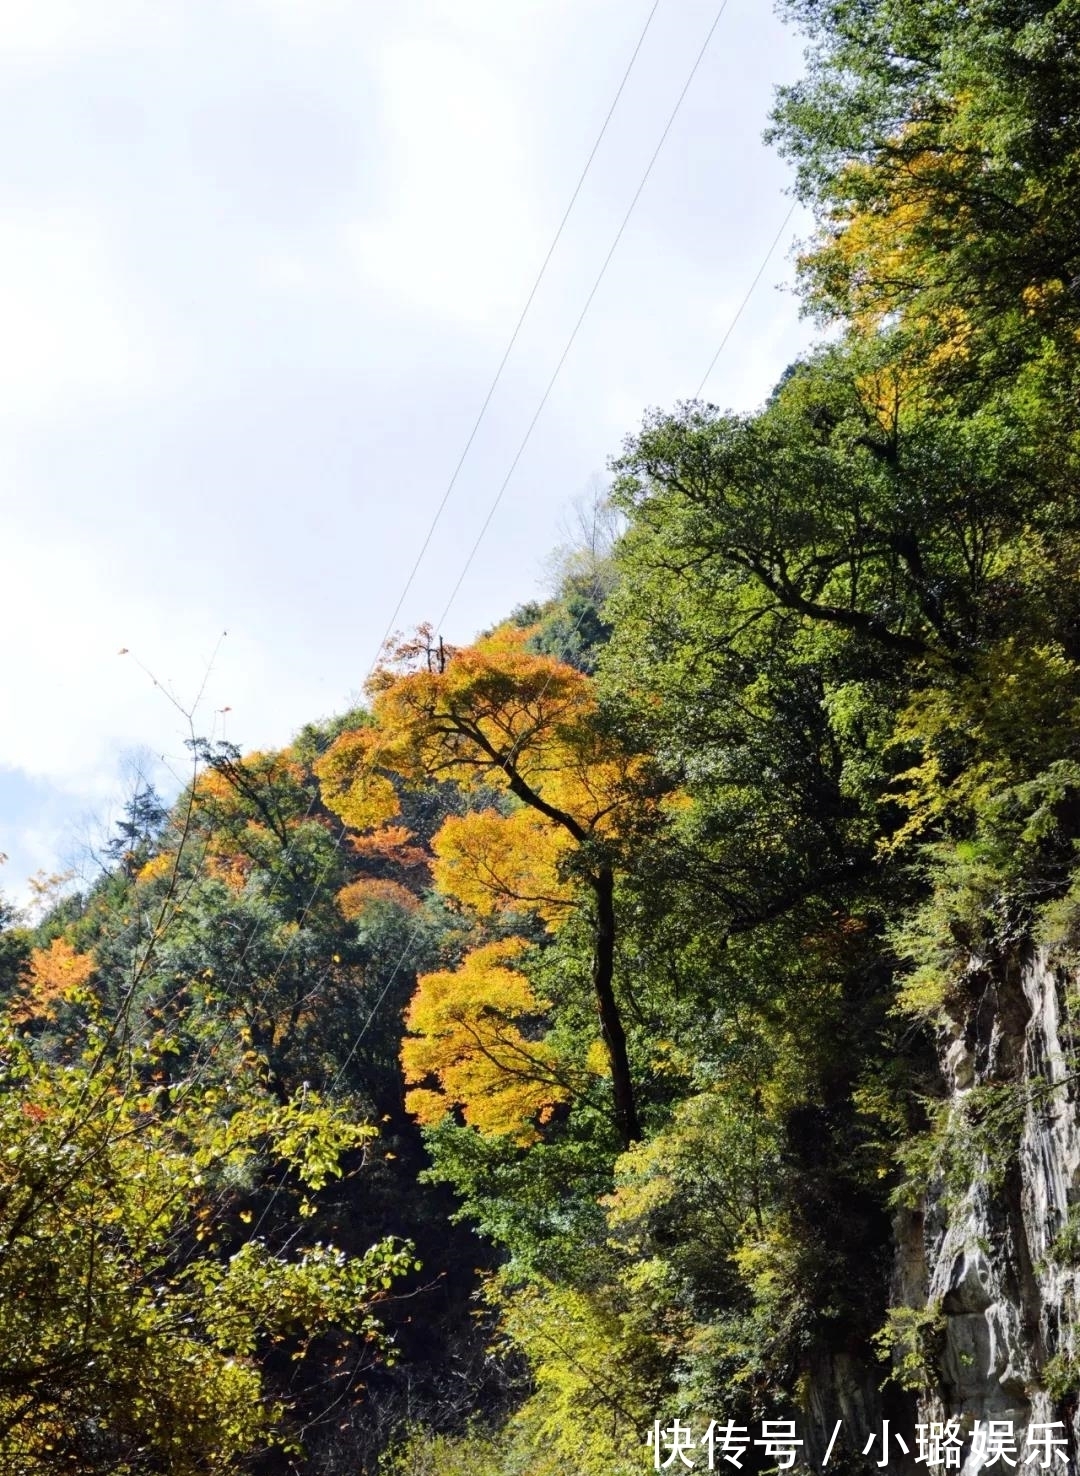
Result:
[{"x": 593, "y": 1029}]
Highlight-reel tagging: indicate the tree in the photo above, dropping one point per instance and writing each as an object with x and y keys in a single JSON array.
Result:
[
  {"x": 496, "y": 715},
  {"x": 853, "y": 504},
  {"x": 470, "y": 1031},
  {"x": 132, "y": 1299},
  {"x": 938, "y": 144},
  {"x": 14, "y": 947},
  {"x": 138, "y": 830},
  {"x": 169, "y": 1242},
  {"x": 582, "y": 573}
]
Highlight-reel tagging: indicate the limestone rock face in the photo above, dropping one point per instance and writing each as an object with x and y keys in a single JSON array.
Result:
[{"x": 1001, "y": 1259}]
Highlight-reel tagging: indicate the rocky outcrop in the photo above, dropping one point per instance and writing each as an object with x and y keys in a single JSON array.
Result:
[{"x": 999, "y": 1255}]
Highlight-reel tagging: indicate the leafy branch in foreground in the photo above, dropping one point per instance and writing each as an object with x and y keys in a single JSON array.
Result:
[{"x": 130, "y": 1307}]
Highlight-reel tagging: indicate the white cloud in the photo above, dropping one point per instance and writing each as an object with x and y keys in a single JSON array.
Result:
[
  {"x": 302, "y": 15},
  {"x": 80, "y": 704},
  {"x": 242, "y": 241},
  {"x": 456, "y": 236},
  {"x": 67, "y": 329},
  {"x": 29, "y": 28}
]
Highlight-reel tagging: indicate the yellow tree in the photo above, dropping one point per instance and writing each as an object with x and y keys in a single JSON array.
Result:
[
  {"x": 467, "y": 1033},
  {"x": 54, "y": 974},
  {"x": 495, "y": 715}
]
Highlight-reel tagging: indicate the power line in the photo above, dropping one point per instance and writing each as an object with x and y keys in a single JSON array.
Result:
[
  {"x": 749, "y": 293},
  {"x": 584, "y": 311},
  {"x": 536, "y": 416},
  {"x": 569, "y": 343},
  {"x": 411, "y": 940},
  {"x": 516, "y": 332},
  {"x": 407, "y": 949}
]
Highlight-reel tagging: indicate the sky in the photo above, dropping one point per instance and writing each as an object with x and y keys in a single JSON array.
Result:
[{"x": 259, "y": 261}]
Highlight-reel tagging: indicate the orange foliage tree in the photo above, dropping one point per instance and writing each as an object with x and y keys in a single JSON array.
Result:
[
  {"x": 55, "y": 974},
  {"x": 471, "y": 1031},
  {"x": 497, "y": 716}
]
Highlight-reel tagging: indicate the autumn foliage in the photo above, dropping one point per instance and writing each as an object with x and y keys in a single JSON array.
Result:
[
  {"x": 55, "y": 974},
  {"x": 496, "y": 863},
  {"x": 499, "y": 717},
  {"x": 476, "y": 1031}
]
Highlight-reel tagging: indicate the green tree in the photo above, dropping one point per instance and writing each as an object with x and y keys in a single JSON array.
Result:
[
  {"x": 938, "y": 144},
  {"x": 135, "y": 1295}
]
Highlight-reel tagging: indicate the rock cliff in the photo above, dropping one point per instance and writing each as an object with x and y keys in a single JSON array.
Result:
[{"x": 998, "y": 1258}]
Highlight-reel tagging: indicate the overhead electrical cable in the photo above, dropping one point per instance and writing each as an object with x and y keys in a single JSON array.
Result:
[
  {"x": 407, "y": 949},
  {"x": 749, "y": 293},
  {"x": 425, "y": 545},
  {"x": 412, "y": 939},
  {"x": 585, "y": 309}
]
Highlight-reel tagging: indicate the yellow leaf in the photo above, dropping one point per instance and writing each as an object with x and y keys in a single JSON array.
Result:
[{"x": 475, "y": 1034}]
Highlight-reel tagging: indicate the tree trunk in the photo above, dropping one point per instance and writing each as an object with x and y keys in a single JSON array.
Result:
[{"x": 611, "y": 1026}]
